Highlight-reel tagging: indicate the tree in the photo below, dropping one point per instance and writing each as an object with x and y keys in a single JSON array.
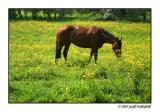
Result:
[
  {"x": 144, "y": 14},
  {"x": 19, "y": 13},
  {"x": 55, "y": 14},
  {"x": 61, "y": 13},
  {"x": 47, "y": 12},
  {"x": 12, "y": 13},
  {"x": 34, "y": 13},
  {"x": 26, "y": 11},
  {"x": 123, "y": 13},
  {"x": 107, "y": 14}
]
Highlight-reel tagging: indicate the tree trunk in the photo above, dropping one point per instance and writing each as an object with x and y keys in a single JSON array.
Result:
[
  {"x": 25, "y": 13},
  {"x": 144, "y": 15},
  {"x": 123, "y": 13},
  {"x": 55, "y": 15},
  {"x": 49, "y": 14},
  {"x": 61, "y": 13},
  {"x": 34, "y": 14},
  {"x": 19, "y": 13}
]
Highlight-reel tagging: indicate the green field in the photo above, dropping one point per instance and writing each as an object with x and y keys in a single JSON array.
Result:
[{"x": 34, "y": 76}]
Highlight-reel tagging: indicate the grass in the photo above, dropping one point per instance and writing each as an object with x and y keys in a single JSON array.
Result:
[{"x": 35, "y": 78}]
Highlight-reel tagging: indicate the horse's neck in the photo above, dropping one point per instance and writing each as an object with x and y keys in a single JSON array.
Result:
[{"x": 110, "y": 40}]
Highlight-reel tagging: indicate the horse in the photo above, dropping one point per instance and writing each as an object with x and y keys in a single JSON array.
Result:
[{"x": 86, "y": 37}]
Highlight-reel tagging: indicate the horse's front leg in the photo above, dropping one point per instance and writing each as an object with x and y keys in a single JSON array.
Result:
[
  {"x": 95, "y": 55},
  {"x": 91, "y": 54},
  {"x": 95, "y": 52}
]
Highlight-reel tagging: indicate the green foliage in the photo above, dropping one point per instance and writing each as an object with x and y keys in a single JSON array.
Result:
[
  {"x": 34, "y": 76},
  {"x": 103, "y": 14}
]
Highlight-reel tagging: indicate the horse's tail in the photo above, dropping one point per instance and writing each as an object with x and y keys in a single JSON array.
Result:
[{"x": 58, "y": 50}]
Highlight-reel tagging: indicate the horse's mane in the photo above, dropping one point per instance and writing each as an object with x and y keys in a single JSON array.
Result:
[{"x": 108, "y": 34}]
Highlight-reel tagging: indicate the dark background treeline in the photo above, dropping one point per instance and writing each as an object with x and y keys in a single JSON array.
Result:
[{"x": 137, "y": 15}]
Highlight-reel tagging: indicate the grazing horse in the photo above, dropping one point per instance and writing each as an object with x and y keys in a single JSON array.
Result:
[{"x": 86, "y": 37}]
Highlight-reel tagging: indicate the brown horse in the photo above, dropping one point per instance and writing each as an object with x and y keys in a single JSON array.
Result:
[{"x": 91, "y": 37}]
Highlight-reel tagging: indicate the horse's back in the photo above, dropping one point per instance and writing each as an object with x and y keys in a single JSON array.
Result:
[{"x": 85, "y": 37}]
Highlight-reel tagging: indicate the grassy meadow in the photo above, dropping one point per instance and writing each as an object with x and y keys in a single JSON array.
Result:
[{"x": 35, "y": 78}]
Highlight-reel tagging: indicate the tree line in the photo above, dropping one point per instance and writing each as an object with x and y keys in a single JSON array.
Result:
[{"x": 95, "y": 14}]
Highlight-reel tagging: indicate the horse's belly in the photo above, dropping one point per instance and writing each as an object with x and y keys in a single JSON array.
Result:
[
  {"x": 83, "y": 44},
  {"x": 81, "y": 41}
]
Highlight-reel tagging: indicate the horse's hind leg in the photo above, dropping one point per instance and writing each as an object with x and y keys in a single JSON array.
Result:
[
  {"x": 95, "y": 55},
  {"x": 65, "y": 52},
  {"x": 58, "y": 52}
]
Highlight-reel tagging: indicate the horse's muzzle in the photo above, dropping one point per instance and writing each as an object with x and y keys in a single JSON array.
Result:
[{"x": 118, "y": 53}]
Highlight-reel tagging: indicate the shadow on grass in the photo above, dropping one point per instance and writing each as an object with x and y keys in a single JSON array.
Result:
[{"x": 78, "y": 63}]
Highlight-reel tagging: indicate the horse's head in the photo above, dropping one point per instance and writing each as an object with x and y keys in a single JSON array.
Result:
[
  {"x": 110, "y": 38},
  {"x": 117, "y": 47}
]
